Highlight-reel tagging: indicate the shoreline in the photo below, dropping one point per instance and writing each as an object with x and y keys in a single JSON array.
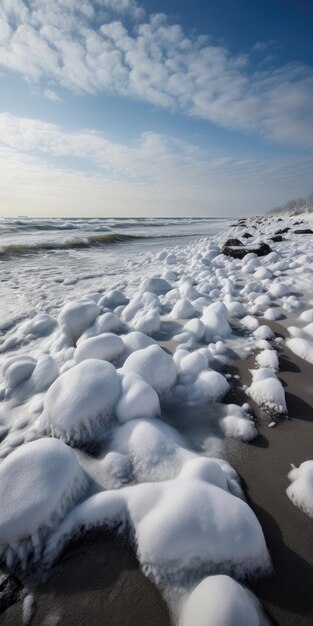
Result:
[{"x": 263, "y": 466}]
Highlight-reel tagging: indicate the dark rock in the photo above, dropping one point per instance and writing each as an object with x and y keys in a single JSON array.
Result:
[
  {"x": 277, "y": 238},
  {"x": 233, "y": 242},
  {"x": 246, "y": 235},
  {"x": 10, "y": 587},
  {"x": 240, "y": 252},
  {"x": 281, "y": 231},
  {"x": 303, "y": 231}
]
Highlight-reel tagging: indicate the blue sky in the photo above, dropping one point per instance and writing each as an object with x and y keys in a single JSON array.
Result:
[{"x": 119, "y": 107}]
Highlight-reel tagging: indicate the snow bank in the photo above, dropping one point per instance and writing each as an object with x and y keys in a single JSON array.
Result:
[
  {"x": 221, "y": 601},
  {"x": 106, "y": 347},
  {"x": 300, "y": 491},
  {"x": 301, "y": 347},
  {"x": 266, "y": 390},
  {"x": 39, "y": 483},
  {"x": 138, "y": 399},
  {"x": 75, "y": 317},
  {"x": 80, "y": 402},
  {"x": 154, "y": 365}
]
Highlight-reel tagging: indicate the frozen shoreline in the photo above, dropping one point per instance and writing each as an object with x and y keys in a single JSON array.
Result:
[{"x": 208, "y": 306}]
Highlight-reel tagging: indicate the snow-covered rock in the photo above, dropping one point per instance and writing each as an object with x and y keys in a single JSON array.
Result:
[
  {"x": 107, "y": 347},
  {"x": 154, "y": 365},
  {"x": 300, "y": 491},
  {"x": 138, "y": 399}
]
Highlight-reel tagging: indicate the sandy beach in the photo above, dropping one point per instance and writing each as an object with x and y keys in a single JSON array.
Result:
[{"x": 171, "y": 359}]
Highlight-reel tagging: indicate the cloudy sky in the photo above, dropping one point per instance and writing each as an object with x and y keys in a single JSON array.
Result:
[{"x": 168, "y": 107}]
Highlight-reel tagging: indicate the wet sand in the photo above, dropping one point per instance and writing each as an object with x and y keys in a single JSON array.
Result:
[
  {"x": 96, "y": 582},
  {"x": 263, "y": 465}
]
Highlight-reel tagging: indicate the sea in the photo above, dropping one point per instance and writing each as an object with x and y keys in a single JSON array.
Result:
[{"x": 47, "y": 261}]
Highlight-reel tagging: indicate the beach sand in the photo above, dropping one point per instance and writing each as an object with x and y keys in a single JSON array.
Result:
[
  {"x": 263, "y": 465},
  {"x": 97, "y": 581}
]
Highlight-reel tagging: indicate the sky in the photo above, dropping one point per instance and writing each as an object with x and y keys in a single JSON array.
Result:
[{"x": 168, "y": 108}]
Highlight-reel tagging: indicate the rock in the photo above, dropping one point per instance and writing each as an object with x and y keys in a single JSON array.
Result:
[
  {"x": 240, "y": 252},
  {"x": 246, "y": 235},
  {"x": 233, "y": 242},
  {"x": 281, "y": 231},
  {"x": 10, "y": 587},
  {"x": 303, "y": 231},
  {"x": 277, "y": 238}
]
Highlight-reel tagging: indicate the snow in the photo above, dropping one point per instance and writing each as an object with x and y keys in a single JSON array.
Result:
[
  {"x": 154, "y": 365},
  {"x": 79, "y": 404},
  {"x": 264, "y": 332},
  {"x": 113, "y": 299},
  {"x": 155, "y": 285},
  {"x": 215, "y": 320},
  {"x": 301, "y": 347},
  {"x": 107, "y": 347},
  {"x": 136, "y": 340},
  {"x": 75, "y": 317},
  {"x": 17, "y": 368},
  {"x": 266, "y": 390},
  {"x": 237, "y": 423},
  {"x": 138, "y": 399},
  {"x": 268, "y": 358},
  {"x": 300, "y": 491},
  {"x": 278, "y": 290},
  {"x": 47, "y": 482},
  {"x": 307, "y": 316},
  {"x": 183, "y": 309},
  {"x": 221, "y": 601}
]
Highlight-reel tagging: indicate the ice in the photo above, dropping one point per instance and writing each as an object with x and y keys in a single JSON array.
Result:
[
  {"x": 183, "y": 309},
  {"x": 300, "y": 491},
  {"x": 112, "y": 299},
  {"x": 301, "y": 347},
  {"x": 138, "y": 399},
  {"x": 221, "y": 601},
  {"x": 278, "y": 290},
  {"x": 215, "y": 320},
  {"x": 181, "y": 527},
  {"x": 266, "y": 390},
  {"x": 268, "y": 358},
  {"x": 16, "y": 369},
  {"x": 264, "y": 332},
  {"x": 105, "y": 323},
  {"x": 236, "y": 423},
  {"x": 107, "y": 347},
  {"x": 154, "y": 365},
  {"x": 136, "y": 340},
  {"x": 75, "y": 317},
  {"x": 79, "y": 404},
  {"x": 155, "y": 285},
  {"x": 307, "y": 316},
  {"x": 39, "y": 482}
]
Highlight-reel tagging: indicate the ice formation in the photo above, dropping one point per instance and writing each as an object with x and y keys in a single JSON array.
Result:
[
  {"x": 47, "y": 482},
  {"x": 221, "y": 601},
  {"x": 107, "y": 347},
  {"x": 154, "y": 365},
  {"x": 266, "y": 390},
  {"x": 300, "y": 491},
  {"x": 80, "y": 402}
]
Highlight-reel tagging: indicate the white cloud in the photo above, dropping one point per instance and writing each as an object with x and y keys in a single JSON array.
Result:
[
  {"x": 155, "y": 175},
  {"x": 88, "y": 47},
  {"x": 52, "y": 95}
]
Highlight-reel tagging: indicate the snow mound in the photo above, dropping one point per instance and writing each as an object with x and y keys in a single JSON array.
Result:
[
  {"x": 113, "y": 299},
  {"x": 301, "y": 347},
  {"x": 80, "y": 402},
  {"x": 136, "y": 340},
  {"x": 268, "y": 358},
  {"x": 142, "y": 313},
  {"x": 16, "y": 369},
  {"x": 75, "y": 317},
  {"x": 138, "y": 399},
  {"x": 215, "y": 320},
  {"x": 38, "y": 326},
  {"x": 181, "y": 527},
  {"x": 183, "y": 309},
  {"x": 300, "y": 491},
  {"x": 266, "y": 390},
  {"x": 307, "y": 316},
  {"x": 39, "y": 483},
  {"x": 236, "y": 423},
  {"x": 154, "y": 365},
  {"x": 155, "y": 285},
  {"x": 264, "y": 332},
  {"x": 221, "y": 601},
  {"x": 278, "y": 290},
  {"x": 106, "y": 347},
  {"x": 105, "y": 323}
]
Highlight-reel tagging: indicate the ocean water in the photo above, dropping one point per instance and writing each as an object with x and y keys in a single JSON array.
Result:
[{"x": 45, "y": 262}]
